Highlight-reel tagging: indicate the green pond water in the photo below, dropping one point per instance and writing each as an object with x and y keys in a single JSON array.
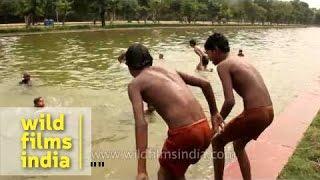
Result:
[{"x": 81, "y": 70}]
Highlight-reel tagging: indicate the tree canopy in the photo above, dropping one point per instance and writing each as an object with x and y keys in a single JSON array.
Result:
[{"x": 185, "y": 11}]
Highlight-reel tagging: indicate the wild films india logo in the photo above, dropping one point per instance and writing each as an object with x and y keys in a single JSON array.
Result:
[{"x": 48, "y": 141}]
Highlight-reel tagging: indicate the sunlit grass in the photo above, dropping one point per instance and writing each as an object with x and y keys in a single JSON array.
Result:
[{"x": 305, "y": 162}]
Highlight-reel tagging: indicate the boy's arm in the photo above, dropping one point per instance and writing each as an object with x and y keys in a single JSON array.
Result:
[
  {"x": 198, "y": 52},
  {"x": 226, "y": 81},
  {"x": 206, "y": 89},
  {"x": 141, "y": 126}
]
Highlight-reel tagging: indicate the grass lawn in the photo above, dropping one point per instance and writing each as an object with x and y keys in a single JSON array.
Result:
[{"x": 305, "y": 162}]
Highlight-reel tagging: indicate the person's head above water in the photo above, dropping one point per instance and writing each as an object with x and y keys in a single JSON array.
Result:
[
  {"x": 192, "y": 42},
  {"x": 217, "y": 47},
  {"x": 38, "y": 102},
  {"x": 122, "y": 57},
  {"x": 160, "y": 56},
  {"x": 240, "y": 53},
  {"x": 26, "y": 78},
  {"x": 138, "y": 58}
]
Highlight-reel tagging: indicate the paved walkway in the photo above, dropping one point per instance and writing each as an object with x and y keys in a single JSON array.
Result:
[{"x": 274, "y": 147}]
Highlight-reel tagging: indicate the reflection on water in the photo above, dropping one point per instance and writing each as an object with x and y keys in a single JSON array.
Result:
[{"x": 80, "y": 69}]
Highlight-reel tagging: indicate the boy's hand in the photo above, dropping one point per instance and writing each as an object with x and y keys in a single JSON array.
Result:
[
  {"x": 142, "y": 176},
  {"x": 217, "y": 121}
]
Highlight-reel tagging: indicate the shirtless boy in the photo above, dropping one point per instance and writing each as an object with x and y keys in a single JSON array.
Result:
[
  {"x": 238, "y": 75},
  {"x": 169, "y": 94},
  {"x": 204, "y": 61}
]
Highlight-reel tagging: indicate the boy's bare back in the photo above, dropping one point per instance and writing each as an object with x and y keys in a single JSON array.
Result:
[
  {"x": 170, "y": 96},
  {"x": 245, "y": 80}
]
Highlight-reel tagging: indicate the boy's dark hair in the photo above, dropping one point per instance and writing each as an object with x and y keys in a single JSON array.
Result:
[
  {"x": 36, "y": 100},
  {"x": 138, "y": 57},
  {"x": 25, "y": 75},
  {"x": 219, "y": 41},
  {"x": 193, "y": 42}
]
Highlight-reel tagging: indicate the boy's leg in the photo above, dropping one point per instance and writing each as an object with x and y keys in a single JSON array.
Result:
[
  {"x": 199, "y": 67},
  {"x": 232, "y": 131},
  {"x": 244, "y": 163},
  {"x": 218, "y": 156},
  {"x": 163, "y": 174},
  {"x": 205, "y": 67},
  {"x": 259, "y": 120}
]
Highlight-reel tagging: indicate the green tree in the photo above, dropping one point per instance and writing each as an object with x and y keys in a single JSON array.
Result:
[
  {"x": 202, "y": 11},
  {"x": 143, "y": 10},
  {"x": 84, "y": 9},
  {"x": 266, "y": 4},
  {"x": 281, "y": 12},
  {"x": 30, "y": 10},
  {"x": 7, "y": 9},
  {"x": 190, "y": 10},
  {"x": 214, "y": 8},
  {"x": 49, "y": 8},
  {"x": 269, "y": 11},
  {"x": 155, "y": 7},
  {"x": 301, "y": 12},
  {"x": 176, "y": 9},
  {"x": 112, "y": 7},
  {"x": 317, "y": 17},
  {"x": 100, "y": 7},
  {"x": 220, "y": 10},
  {"x": 261, "y": 13},
  {"x": 129, "y": 9},
  {"x": 225, "y": 12},
  {"x": 63, "y": 7}
]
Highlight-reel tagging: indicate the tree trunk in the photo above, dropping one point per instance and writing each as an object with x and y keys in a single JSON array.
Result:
[
  {"x": 153, "y": 17},
  {"x": 57, "y": 16},
  {"x": 6, "y": 19},
  {"x": 64, "y": 20},
  {"x": 27, "y": 20},
  {"x": 33, "y": 19},
  {"x": 102, "y": 16},
  {"x": 112, "y": 16}
]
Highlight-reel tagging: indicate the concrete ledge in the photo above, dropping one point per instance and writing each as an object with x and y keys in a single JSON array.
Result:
[{"x": 274, "y": 147}]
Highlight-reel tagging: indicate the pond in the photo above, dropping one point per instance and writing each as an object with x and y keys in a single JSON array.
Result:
[{"x": 80, "y": 69}]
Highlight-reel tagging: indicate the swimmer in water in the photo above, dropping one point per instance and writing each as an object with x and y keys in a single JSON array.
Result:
[
  {"x": 204, "y": 61},
  {"x": 26, "y": 79},
  {"x": 39, "y": 102},
  {"x": 161, "y": 57},
  {"x": 240, "y": 53}
]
